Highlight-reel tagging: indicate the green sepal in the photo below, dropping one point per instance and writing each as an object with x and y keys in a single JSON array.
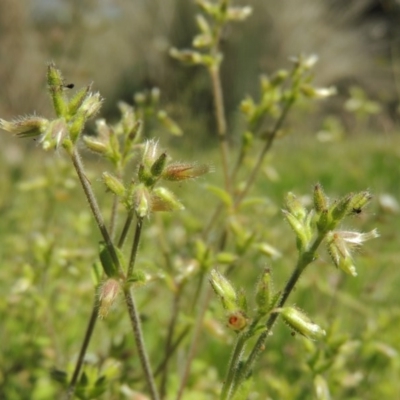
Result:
[
  {"x": 138, "y": 277},
  {"x": 77, "y": 100},
  {"x": 158, "y": 166},
  {"x": 264, "y": 292},
  {"x": 341, "y": 208},
  {"x": 274, "y": 300},
  {"x": 145, "y": 176},
  {"x": 242, "y": 300}
]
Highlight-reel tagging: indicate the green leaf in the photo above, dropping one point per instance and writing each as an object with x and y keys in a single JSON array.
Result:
[
  {"x": 222, "y": 194},
  {"x": 59, "y": 376},
  {"x": 107, "y": 262},
  {"x": 225, "y": 257}
]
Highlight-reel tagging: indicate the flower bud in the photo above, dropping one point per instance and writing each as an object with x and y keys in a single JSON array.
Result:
[
  {"x": 150, "y": 153},
  {"x": 114, "y": 184},
  {"x": 224, "y": 290},
  {"x": 204, "y": 40},
  {"x": 142, "y": 201},
  {"x": 295, "y": 207},
  {"x": 139, "y": 98},
  {"x": 189, "y": 57},
  {"x": 247, "y": 106},
  {"x": 359, "y": 201},
  {"x": 203, "y": 24},
  {"x": 108, "y": 293},
  {"x": 321, "y": 201},
  {"x": 340, "y": 253},
  {"x": 317, "y": 93},
  {"x": 91, "y": 105},
  {"x": 103, "y": 129},
  {"x": 300, "y": 323},
  {"x": 299, "y": 229},
  {"x": 237, "y": 321},
  {"x": 279, "y": 77},
  {"x": 55, "y": 83},
  {"x": 239, "y": 13},
  {"x": 183, "y": 171},
  {"x": 25, "y": 127},
  {"x": 155, "y": 94},
  {"x": 95, "y": 145},
  {"x": 163, "y": 199}
]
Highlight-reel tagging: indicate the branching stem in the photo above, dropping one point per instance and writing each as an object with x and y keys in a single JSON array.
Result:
[
  {"x": 91, "y": 198},
  {"x": 304, "y": 260}
]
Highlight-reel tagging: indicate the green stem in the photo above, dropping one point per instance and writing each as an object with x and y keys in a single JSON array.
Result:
[
  {"x": 139, "y": 340},
  {"x": 135, "y": 245},
  {"x": 232, "y": 367},
  {"x": 87, "y": 188},
  {"x": 304, "y": 260},
  {"x": 173, "y": 348},
  {"x": 77, "y": 162},
  {"x": 113, "y": 218},
  {"x": 168, "y": 342},
  {"x": 126, "y": 227},
  {"x": 264, "y": 151},
  {"x": 205, "y": 298},
  {"x": 221, "y": 122},
  {"x": 82, "y": 352},
  {"x": 135, "y": 318}
]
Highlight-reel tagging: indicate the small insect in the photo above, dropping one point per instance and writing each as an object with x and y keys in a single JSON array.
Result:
[
  {"x": 69, "y": 86},
  {"x": 356, "y": 210}
]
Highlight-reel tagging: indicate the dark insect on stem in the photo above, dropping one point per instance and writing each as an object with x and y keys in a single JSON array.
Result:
[
  {"x": 69, "y": 86},
  {"x": 357, "y": 210}
]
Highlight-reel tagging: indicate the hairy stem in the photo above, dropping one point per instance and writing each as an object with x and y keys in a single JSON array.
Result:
[
  {"x": 126, "y": 227},
  {"x": 168, "y": 342},
  {"x": 76, "y": 160},
  {"x": 232, "y": 367},
  {"x": 135, "y": 245},
  {"x": 82, "y": 352},
  {"x": 113, "y": 217},
  {"x": 139, "y": 340},
  {"x": 205, "y": 298},
  {"x": 91, "y": 198}
]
